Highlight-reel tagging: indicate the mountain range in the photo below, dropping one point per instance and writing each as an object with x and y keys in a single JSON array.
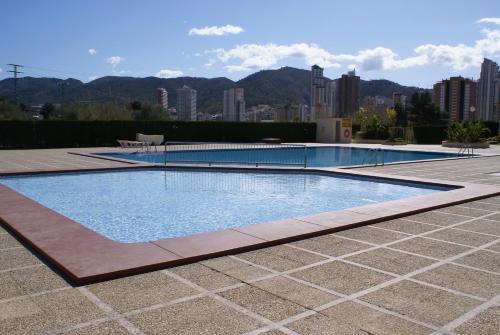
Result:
[{"x": 286, "y": 85}]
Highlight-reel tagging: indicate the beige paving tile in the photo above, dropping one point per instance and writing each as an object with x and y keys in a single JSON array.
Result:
[
  {"x": 281, "y": 258},
  {"x": 235, "y": 268},
  {"x": 406, "y": 226},
  {"x": 485, "y": 323},
  {"x": 495, "y": 247},
  {"x": 200, "y": 316},
  {"x": 298, "y": 293},
  {"x": 37, "y": 279},
  {"x": 273, "y": 332},
  {"x": 319, "y": 324},
  {"x": 482, "y": 204},
  {"x": 7, "y": 241},
  {"x": 134, "y": 292},
  {"x": 23, "y": 316},
  {"x": 372, "y": 235},
  {"x": 68, "y": 307},
  {"x": 430, "y": 248},
  {"x": 104, "y": 328},
  {"x": 9, "y": 287},
  {"x": 341, "y": 277},
  {"x": 495, "y": 217},
  {"x": 263, "y": 303},
  {"x": 423, "y": 303},
  {"x": 331, "y": 245},
  {"x": 482, "y": 226},
  {"x": 204, "y": 276},
  {"x": 462, "y": 237},
  {"x": 15, "y": 258},
  {"x": 391, "y": 261},
  {"x": 465, "y": 211},
  {"x": 482, "y": 259},
  {"x": 477, "y": 283},
  {"x": 440, "y": 219},
  {"x": 372, "y": 321}
]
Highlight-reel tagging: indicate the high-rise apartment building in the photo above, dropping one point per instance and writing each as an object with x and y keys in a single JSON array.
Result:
[
  {"x": 318, "y": 93},
  {"x": 186, "y": 104},
  {"x": 233, "y": 105},
  {"x": 346, "y": 95},
  {"x": 488, "y": 92},
  {"x": 399, "y": 98},
  {"x": 456, "y": 97},
  {"x": 162, "y": 99}
]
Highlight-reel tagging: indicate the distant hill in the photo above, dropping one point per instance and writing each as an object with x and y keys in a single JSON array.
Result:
[{"x": 274, "y": 87}]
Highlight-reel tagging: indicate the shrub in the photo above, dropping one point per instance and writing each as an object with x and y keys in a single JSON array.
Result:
[{"x": 470, "y": 132}]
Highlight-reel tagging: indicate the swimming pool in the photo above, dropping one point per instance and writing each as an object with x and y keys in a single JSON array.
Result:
[
  {"x": 151, "y": 204},
  {"x": 326, "y": 156}
]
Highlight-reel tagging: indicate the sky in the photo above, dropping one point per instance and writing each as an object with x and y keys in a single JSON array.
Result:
[{"x": 413, "y": 43}]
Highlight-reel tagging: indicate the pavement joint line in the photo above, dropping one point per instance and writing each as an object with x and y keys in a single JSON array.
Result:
[
  {"x": 22, "y": 268},
  {"x": 343, "y": 259},
  {"x": 229, "y": 303},
  {"x": 470, "y": 314},
  {"x": 341, "y": 297},
  {"x": 12, "y": 248},
  {"x": 383, "y": 284},
  {"x": 143, "y": 309},
  {"x": 429, "y": 224},
  {"x": 27, "y": 296},
  {"x": 110, "y": 311}
]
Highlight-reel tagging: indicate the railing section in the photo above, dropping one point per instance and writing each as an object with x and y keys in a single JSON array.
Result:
[{"x": 255, "y": 154}]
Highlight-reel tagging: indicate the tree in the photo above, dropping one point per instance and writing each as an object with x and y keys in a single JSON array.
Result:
[
  {"x": 136, "y": 106},
  {"x": 391, "y": 116},
  {"x": 422, "y": 110},
  {"x": 47, "y": 111}
]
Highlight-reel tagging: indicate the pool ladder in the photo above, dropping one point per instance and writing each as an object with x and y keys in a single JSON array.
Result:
[
  {"x": 466, "y": 150},
  {"x": 372, "y": 157}
]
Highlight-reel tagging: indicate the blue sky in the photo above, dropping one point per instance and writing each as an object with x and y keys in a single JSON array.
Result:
[{"x": 413, "y": 43}]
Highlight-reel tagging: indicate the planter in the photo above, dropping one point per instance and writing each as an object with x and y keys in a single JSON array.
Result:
[{"x": 476, "y": 145}]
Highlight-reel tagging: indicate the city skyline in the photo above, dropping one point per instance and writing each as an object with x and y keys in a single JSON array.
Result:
[{"x": 382, "y": 40}]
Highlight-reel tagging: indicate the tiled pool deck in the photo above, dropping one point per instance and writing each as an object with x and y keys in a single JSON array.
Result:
[{"x": 432, "y": 273}]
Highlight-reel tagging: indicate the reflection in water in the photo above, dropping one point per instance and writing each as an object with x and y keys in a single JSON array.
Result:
[{"x": 233, "y": 182}]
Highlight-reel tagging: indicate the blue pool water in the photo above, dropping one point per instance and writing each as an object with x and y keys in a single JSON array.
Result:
[
  {"x": 147, "y": 205},
  {"x": 316, "y": 156}
]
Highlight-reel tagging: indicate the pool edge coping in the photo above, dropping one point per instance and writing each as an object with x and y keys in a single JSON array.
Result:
[{"x": 74, "y": 249}]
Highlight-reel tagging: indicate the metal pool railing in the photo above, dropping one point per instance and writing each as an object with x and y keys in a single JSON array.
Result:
[
  {"x": 255, "y": 154},
  {"x": 374, "y": 156}
]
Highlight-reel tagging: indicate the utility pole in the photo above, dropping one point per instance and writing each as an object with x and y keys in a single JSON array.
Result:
[{"x": 15, "y": 71}]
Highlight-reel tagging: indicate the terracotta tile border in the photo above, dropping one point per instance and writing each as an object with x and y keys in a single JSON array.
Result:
[{"x": 86, "y": 256}]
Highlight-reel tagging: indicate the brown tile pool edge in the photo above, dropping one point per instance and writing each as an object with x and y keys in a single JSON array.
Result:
[{"x": 85, "y": 256}]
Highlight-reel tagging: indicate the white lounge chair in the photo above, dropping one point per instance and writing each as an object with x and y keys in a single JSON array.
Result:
[
  {"x": 131, "y": 144},
  {"x": 150, "y": 139}
]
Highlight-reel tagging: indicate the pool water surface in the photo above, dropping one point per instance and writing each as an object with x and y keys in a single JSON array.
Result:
[{"x": 150, "y": 204}]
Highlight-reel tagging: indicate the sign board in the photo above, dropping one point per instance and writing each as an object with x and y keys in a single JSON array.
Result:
[{"x": 346, "y": 123}]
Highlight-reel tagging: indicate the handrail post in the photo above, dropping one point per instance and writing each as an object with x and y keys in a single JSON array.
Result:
[{"x": 305, "y": 156}]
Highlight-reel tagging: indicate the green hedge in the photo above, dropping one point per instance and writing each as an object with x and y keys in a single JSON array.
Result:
[
  {"x": 66, "y": 134},
  {"x": 429, "y": 134},
  {"x": 492, "y": 126}
]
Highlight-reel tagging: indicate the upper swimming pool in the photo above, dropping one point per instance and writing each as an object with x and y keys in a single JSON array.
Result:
[
  {"x": 150, "y": 204},
  {"x": 316, "y": 156}
]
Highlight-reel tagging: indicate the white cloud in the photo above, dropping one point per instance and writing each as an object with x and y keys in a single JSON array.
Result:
[
  {"x": 121, "y": 72},
  {"x": 1, "y": 70},
  {"x": 93, "y": 78},
  {"x": 166, "y": 73},
  {"x": 494, "y": 20},
  {"x": 210, "y": 62},
  {"x": 459, "y": 57},
  {"x": 216, "y": 31},
  {"x": 115, "y": 60},
  {"x": 92, "y": 51}
]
